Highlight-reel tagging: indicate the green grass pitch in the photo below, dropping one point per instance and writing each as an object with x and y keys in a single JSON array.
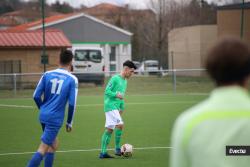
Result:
[{"x": 148, "y": 123}]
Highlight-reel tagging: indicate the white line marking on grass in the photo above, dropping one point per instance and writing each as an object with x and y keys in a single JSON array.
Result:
[
  {"x": 149, "y": 103},
  {"x": 86, "y": 150},
  {"x": 156, "y": 94},
  {"x": 101, "y": 95},
  {"x": 171, "y": 94},
  {"x": 88, "y": 105},
  {"x": 16, "y": 106}
]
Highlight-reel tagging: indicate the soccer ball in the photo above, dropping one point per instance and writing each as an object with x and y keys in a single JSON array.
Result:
[{"x": 127, "y": 150}]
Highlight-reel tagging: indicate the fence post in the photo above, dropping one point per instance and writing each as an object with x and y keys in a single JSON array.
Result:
[
  {"x": 174, "y": 80},
  {"x": 14, "y": 79}
]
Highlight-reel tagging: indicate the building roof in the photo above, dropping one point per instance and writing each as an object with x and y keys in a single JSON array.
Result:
[
  {"x": 24, "y": 13},
  {"x": 63, "y": 18},
  {"x": 47, "y": 20},
  {"x": 33, "y": 39},
  {"x": 234, "y": 6},
  {"x": 8, "y": 21}
]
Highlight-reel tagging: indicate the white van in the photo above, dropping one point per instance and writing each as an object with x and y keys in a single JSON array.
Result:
[
  {"x": 149, "y": 67},
  {"x": 88, "y": 64}
]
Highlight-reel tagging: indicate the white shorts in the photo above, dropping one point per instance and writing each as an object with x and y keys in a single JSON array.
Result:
[{"x": 113, "y": 118}]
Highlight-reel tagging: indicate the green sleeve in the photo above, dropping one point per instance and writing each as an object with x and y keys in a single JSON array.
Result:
[
  {"x": 109, "y": 91},
  {"x": 122, "y": 105}
]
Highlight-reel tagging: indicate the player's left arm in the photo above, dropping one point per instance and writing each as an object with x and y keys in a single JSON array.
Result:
[
  {"x": 72, "y": 104},
  {"x": 122, "y": 107}
]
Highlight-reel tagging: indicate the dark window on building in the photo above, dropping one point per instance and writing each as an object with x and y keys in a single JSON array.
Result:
[
  {"x": 113, "y": 53},
  {"x": 9, "y": 67},
  {"x": 112, "y": 67}
]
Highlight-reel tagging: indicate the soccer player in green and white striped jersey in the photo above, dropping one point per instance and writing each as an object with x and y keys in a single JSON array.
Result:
[
  {"x": 114, "y": 107},
  {"x": 202, "y": 135}
]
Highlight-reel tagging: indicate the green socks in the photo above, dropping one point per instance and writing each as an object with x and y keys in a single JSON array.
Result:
[
  {"x": 105, "y": 141},
  {"x": 118, "y": 134}
]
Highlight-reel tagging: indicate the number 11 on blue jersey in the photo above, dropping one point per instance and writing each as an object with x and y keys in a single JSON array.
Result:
[{"x": 56, "y": 82}]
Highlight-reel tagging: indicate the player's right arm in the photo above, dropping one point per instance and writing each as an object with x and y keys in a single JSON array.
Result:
[
  {"x": 109, "y": 91},
  {"x": 37, "y": 96}
]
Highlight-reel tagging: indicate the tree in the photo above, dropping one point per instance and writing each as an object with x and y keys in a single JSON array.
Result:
[
  {"x": 62, "y": 7},
  {"x": 9, "y": 5},
  {"x": 168, "y": 16}
]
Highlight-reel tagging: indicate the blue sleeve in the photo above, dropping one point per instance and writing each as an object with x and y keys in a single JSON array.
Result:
[
  {"x": 37, "y": 96},
  {"x": 72, "y": 102}
]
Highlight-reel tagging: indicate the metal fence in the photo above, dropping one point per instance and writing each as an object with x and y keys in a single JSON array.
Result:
[{"x": 146, "y": 82}]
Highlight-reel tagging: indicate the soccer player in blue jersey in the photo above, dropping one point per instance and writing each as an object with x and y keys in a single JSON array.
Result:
[{"x": 54, "y": 90}]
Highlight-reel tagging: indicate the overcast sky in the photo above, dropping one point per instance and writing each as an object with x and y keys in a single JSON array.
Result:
[{"x": 141, "y": 4}]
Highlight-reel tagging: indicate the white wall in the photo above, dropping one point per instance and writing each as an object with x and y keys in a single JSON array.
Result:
[{"x": 123, "y": 53}]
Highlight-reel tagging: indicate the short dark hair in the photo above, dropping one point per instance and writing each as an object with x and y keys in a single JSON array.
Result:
[
  {"x": 129, "y": 64},
  {"x": 66, "y": 57},
  {"x": 228, "y": 61}
]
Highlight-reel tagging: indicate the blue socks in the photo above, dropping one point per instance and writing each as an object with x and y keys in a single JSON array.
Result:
[
  {"x": 35, "y": 160},
  {"x": 38, "y": 157},
  {"x": 48, "y": 159}
]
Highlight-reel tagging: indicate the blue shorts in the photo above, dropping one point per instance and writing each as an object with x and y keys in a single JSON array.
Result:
[{"x": 49, "y": 133}]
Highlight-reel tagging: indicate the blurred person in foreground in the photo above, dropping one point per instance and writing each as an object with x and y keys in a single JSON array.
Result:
[
  {"x": 201, "y": 134},
  {"x": 114, "y": 107},
  {"x": 55, "y": 89}
]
